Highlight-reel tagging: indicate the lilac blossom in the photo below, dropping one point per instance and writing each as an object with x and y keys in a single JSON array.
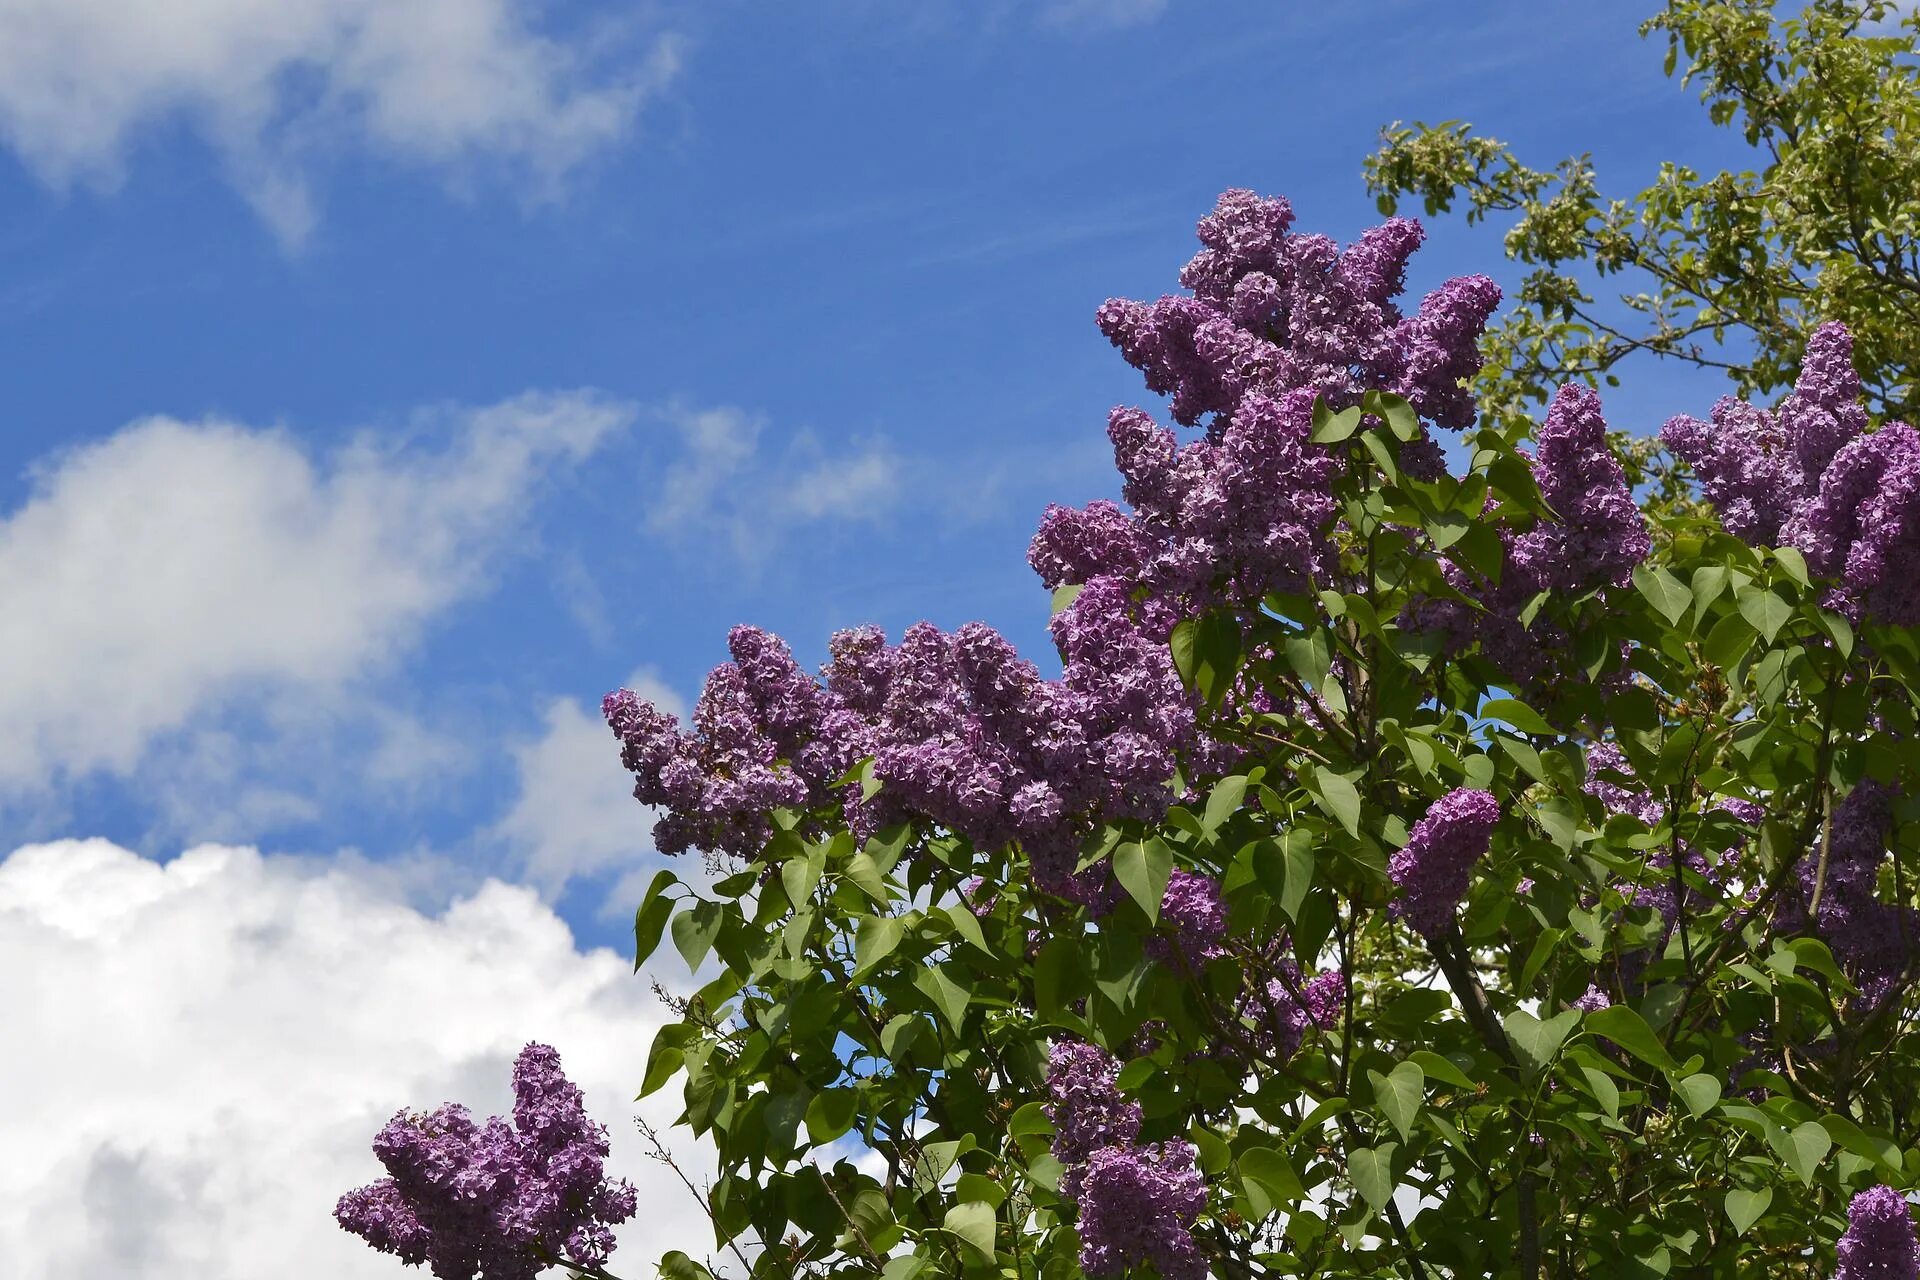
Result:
[
  {"x": 1598, "y": 535},
  {"x": 1433, "y": 867},
  {"x": 494, "y": 1200},
  {"x": 1139, "y": 1204},
  {"x": 1284, "y": 1008},
  {"x": 1592, "y": 1000},
  {"x": 1085, "y": 1103},
  {"x": 1879, "y": 1241},
  {"x": 1192, "y": 912},
  {"x": 1873, "y": 940}
]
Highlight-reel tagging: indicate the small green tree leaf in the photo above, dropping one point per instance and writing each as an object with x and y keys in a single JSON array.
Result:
[
  {"x": 831, "y": 1113},
  {"x": 1223, "y": 802},
  {"x": 1269, "y": 1181},
  {"x": 874, "y": 939},
  {"x": 1744, "y": 1207},
  {"x": 1143, "y": 868},
  {"x": 1516, "y": 713},
  {"x": 1537, "y": 1041},
  {"x": 1338, "y": 797},
  {"x": 694, "y": 931},
  {"x": 1371, "y": 1169},
  {"x": 651, "y": 918},
  {"x": 973, "y": 1222},
  {"x": 1630, "y": 1031},
  {"x": 1803, "y": 1148},
  {"x": 1766, "y": 611},
  {"x": 1669, "y": 596},
  {"x": 1701, "y": 1093},
  {"x": 1400, "y": 1091}
]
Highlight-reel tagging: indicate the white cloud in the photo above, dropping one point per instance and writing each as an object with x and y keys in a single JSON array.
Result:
[
  {"x": 268, "y": 84},
  {"x": 176, "y": 567},
  {"x": 201, "y": 1052},
  {"x": 725, "y": 481},
  {"x": 575, "y": 814}
]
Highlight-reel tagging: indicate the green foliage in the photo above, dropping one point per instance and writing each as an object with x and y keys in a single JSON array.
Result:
[
  {"x": 870, "y": 1064},
  {"x": 1728, "y": 270}
]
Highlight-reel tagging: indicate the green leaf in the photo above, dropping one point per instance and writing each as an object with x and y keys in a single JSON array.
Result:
[
  {"x": 1744, "y": 1208},
  {"x": 1269, "y": 1180},
  {"x": 1669, "y": 596},
  {"x": 1337, "y": 796},
  {"x": 974, "y": 1223},
  {"x": 1296, "y": 851},
  {"x": 865, "y": 873},
  {"x": 1371, "y": 1169},
  {"x": 1400, "y": 1092},
  {"x": 1332, "y": 428},
  {"x": 1630, "y": 1031},
  {"x": 676, "y": 1265},
  {"x": 1516, "y": 713},
  {"x": 1765, "y": 610},
  {"x": 1604, "y": 1090},
  {"x": 1206, "y": 653},
  {"x": 1065, "y": 595},
  {"x": 694, "y": 931},
  {"x": 904, "y": 1267},
  {"x": 652, "y": 916},
  {"x": 1223, "y": 802},
  {"x": 874, "y": 939},
  {"x": 967, "y": 925},
  {"x": 1536, "y": 1041},
  {"x": 1401, "y": 419},
  {"x": 1803, "y": 1149},
  {"x": 1445, "y": 1070},
  {"x": 1790, "y": 559},
  {"x": 798, "y": 876},
  {"x": 1701, "y": 1093},
  {"x": 831, "y": 1113},
  {"x": 948, "y": 996},
  {"x": 1143, "y": 868}
]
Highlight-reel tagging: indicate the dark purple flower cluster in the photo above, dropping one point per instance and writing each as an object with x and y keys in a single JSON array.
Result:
[
  {"x": 1275, "y": 320},
  {"x": 1592, "y": 1000},
  {"x": 1808, "y": 476},
  {"x": 1137, "y": 1202},
  {"x": 1285, "y": 1007},
  {"x": 1598, "y": 534},
  {"x": 1193, "y": 914},
  {"x": 1874, "y": 941},
  {"x": 1879, "y": 1241},
  {"x": 962, "y": 732},
  {"x": 1594, "y": 537},
  {"x": 496, "y": 1200},
  {"x": 1433, "y": 867}
]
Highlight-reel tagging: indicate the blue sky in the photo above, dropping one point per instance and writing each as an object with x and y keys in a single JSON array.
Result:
[{"x": 803, "y": 298}]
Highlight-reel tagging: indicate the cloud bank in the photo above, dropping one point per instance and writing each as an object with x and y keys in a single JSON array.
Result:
[
  {"x": 270, "y": 84},
  {"x": 200, "y": 1054},
  {"x": 156, "y": 575}
]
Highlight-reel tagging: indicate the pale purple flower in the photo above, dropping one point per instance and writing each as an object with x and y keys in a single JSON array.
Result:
[{"x": 1139, "y": 1204}]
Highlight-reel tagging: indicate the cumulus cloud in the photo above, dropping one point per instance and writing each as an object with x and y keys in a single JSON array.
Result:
[
  {"x": 268, "y": 84},
  {"x": 575, "y": 814},
  {"x": 175, "y": 566},
  {"x": 725, "y": 481},
  {"x": 202, "y": 1051}
]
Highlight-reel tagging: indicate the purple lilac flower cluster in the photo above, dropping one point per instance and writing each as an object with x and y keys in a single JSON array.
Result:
[
  {"x": 1275, "y": 320},
  {"x": 1808, "y": 475},
  {"x": 1879, "y": 1241},
  {"x": 1593, "y": 537},
  {"x": 1193, "y": 917},
  {"x": 961, "y": 729},
  {"x": 1284, "y": 1007},
  {"x": 1433, "y": 867},
  {"x": 1873, "y": 940},
  {"x": 1137, "y": 1201},
  {"x": 496, "y": 1200}
]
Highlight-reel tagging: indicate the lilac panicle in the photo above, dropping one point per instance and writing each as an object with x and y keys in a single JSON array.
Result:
[
  {"x": 1809, "y": 475},
  {"x": 1873, "y": 940},
  {"x": 1599, "y": 535},
  {"x": 1138, "y": 1204},
  {"x": 1085, "y": 1103},
  {"x": 1434, "y": 866},
  {"x": 1879, "y": 1240},
  {"x": 1191, "y": 910},
  {"x": 489, "y": 1200}
]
